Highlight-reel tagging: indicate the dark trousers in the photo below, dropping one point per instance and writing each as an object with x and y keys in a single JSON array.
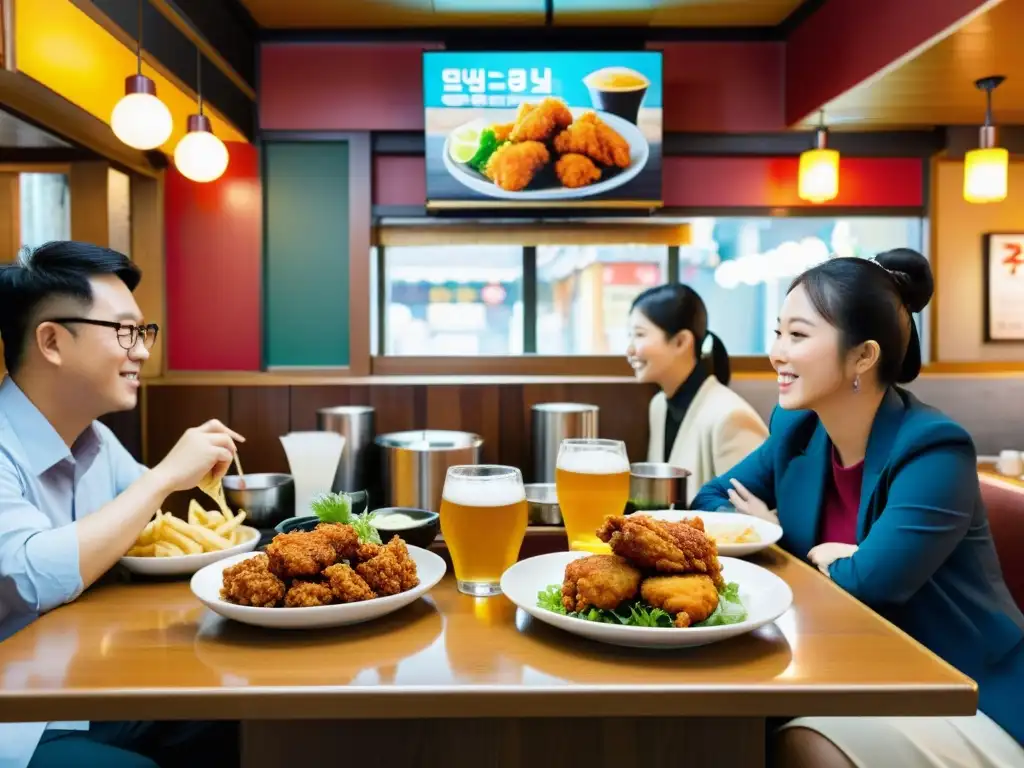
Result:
[{"x": 141, "y": 745}]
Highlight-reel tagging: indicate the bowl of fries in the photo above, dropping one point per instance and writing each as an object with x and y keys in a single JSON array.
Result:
[{"x": 170, "y": 546}]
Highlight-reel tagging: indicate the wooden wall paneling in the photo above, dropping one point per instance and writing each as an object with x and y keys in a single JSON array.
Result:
[
  {"x": 261, "y": 416},
  {"x": 623, "y": 415},
  {"x": 306, "y": 401},
  {"x": 513, "y": 429},
  {"x": 10, "y": 216},
  {"x": 88, "y": 182},
  {"x": 443, "y": 408},
  {"x": 172, "y": 410},
  {"x": 479, "y": 406},
  {"x": 147, "y": 251},
  {"x": 395, "y": 409}
]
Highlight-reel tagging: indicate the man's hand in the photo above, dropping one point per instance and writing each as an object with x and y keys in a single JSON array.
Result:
[{"x": 201, "y": 450}]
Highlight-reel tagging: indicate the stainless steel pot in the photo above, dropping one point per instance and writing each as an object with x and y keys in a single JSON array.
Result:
[
  {"x": 654, "y": 485},
  {"x": 550, "y": 424},
  {"x": 542, "y": 503},
  {"x": 267, "y": 498},
  {"x": 414, "y": 464}
]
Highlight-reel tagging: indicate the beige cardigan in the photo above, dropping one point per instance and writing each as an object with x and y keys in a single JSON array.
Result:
[{"x": 719, "y": 430}]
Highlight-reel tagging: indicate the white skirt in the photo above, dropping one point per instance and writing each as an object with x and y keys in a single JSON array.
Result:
[{"x": 919, "y": 742}]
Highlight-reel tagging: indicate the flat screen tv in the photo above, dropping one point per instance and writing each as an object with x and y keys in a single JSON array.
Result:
[{"x": 543, "y": 130}]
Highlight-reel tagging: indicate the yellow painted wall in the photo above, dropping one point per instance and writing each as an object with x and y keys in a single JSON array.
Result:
[
  {"x": 65, "y": 50},
  {"x": 959, "y": 260}
]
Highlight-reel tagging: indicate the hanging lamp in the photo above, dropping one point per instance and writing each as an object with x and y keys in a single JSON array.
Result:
[
  {"x": 986, "y": 168},
  {"x": 818, "y": 176},
  {"x": 140, "y": 119},
  {"x": 200, "y": 156}
]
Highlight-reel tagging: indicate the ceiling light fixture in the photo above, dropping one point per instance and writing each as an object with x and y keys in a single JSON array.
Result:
[
  {"x": 140, "y": 119},
  {"x": 986, "y": 168},
  {"x": 818, "y": 176},
  {"x": 200, "y": 156}
]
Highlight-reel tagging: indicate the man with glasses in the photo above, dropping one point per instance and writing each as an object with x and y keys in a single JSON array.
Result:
[{"x": 72, "y": 499}]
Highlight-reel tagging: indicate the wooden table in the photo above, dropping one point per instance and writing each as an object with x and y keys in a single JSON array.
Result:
[
  {"x": 989, "y": 472},
  {"x": 459, "y": 681}
]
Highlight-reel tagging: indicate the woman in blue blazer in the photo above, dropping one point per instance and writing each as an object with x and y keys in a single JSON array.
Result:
[{"x": 880, "y": 492}]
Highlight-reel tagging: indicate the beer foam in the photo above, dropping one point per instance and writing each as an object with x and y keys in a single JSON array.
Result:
[
  {"x": 473, "y": 492},
  {"x": 593, "y": 462}
]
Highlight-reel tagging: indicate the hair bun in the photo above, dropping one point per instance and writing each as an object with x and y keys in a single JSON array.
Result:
[{"x": 913, "y": 276}]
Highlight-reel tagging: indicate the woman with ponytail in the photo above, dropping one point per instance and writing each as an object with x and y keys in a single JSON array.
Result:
[
  {"x": 880, "y": 492},
  {"x": 697, "y": 422}
]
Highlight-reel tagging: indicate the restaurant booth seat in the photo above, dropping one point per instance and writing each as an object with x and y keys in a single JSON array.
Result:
[{"x": 1005, "y": 504}]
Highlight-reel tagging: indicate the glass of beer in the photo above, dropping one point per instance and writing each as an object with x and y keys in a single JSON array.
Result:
[
  {"x": 483, "y": 521},
  {"x": 592, "y": 482}
]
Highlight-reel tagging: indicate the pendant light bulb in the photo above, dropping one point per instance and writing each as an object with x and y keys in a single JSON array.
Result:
[
  {"x": 986, "y": 169},
  {"x": 818, "y": 174},
  {"x": 200, "y": 156},
  {"x": 140, "y": 119}
]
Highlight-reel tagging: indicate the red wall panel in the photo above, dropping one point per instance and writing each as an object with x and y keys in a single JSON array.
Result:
[
  {"x": 723, "y": 87},
  {"x": 713, "y": 182},
  {"x": 341, "y": 87},
  {"x": 214, "y": 266},
  {"x": 716, "y": 182},
  {"x": 846, "y": 41},
  {"x": 720, "y": 87}
]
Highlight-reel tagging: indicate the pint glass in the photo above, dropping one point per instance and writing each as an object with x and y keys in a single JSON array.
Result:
[
  {"x": 592, "y": 481},
  {"x": 483, "y": 521}
]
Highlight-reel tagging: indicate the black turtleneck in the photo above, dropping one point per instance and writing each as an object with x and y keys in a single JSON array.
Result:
[{"x": 679, "y": 403}]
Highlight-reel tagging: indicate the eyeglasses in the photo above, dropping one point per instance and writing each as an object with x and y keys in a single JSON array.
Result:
[{"x": 127, "y": 335}]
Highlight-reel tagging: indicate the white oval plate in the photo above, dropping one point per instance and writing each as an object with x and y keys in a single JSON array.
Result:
[
  {"x": 725, "y": 521},
  {"x": 189, "y": 564},
  {"x": 206, "y": 586},
  {"x": 639, "y": 152},
  {"x": 765, "y": 596}
]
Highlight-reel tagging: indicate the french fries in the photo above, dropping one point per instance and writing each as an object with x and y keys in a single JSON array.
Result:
[{"x": 204, "y": 531}]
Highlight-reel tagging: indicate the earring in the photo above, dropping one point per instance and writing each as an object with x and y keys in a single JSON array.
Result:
[{"x": 856, "y": 383}]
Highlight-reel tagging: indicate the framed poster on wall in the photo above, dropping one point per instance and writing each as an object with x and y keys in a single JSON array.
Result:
[{"x": 1003, "y": 259}]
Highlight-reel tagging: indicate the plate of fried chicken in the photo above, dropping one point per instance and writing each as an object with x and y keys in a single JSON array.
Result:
[
  {"x": 552, "y": 152},
  {"x": 663, "y": 586},
  {"x": 326, "y": 577}
]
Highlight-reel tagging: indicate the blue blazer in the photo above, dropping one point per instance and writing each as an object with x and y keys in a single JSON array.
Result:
[{"x": 926, "y": 560}]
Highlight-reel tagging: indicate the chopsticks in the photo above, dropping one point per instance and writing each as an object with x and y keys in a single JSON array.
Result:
[{"x": 241, "y": 474}]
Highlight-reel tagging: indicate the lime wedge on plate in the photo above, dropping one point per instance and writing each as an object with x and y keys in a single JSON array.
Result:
[{"x": 463, "y": 143}]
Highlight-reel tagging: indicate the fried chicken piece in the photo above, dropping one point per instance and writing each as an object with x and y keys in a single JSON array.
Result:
[
  {"x": 590, "y": 136},
  {"x": 576, "y": 170},
  {"x": 250, "y": 582},
  {"x": 691, "y": 598},
  {"x": 366, "y": 551},
  {"x": 300, "y": 554},
  {"x": 540, "y": 122},
  {"x": 513, "y": 166},
  {"x": 663, "y": 546},
  {"x": 502, "y": 131},
  {"x": 602, "y": 581},
  {"x": 306, "y": 594},
  {"x": 347, "y": 585},
  {"x": 391, "y": 571},
  {"x": 343, "y": 538}
]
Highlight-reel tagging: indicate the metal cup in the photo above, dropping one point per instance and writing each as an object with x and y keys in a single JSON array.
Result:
[{"x": 654, "y": 485}]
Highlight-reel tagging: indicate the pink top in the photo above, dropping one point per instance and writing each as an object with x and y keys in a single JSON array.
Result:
[{"x": 842, "y": 502}]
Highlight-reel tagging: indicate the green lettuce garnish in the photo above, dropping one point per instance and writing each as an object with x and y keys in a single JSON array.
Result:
[
  {"x": 638, "y": 613},
  {"x": 337, "y": 508},
  {"x": 488, "y": 146}
]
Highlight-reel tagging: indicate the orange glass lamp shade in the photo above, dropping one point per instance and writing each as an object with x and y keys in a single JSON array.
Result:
[
  {"x": 200, "y": 156},
  {"x": 140, "y": 119},
  {"x": 818, "y": 176},
  {"x": 985, "y": 174}
]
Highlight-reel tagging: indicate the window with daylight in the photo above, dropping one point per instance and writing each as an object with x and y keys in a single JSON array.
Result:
[
  {"x": 743, "y": 267},
  {"x": 45, "y": 201}
]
